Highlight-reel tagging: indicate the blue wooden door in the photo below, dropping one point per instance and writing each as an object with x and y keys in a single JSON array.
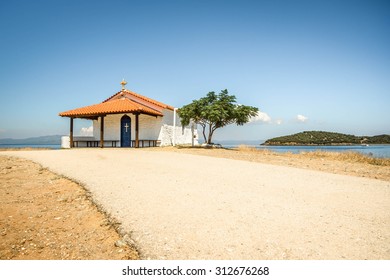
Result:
[{"x": 125, "y": 131}]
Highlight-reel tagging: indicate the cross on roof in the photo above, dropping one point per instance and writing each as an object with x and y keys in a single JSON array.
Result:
[{"x": 123, "y": 83}]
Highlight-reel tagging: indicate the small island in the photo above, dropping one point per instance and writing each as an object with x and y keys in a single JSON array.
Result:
[{"x": 323, "y": 138}]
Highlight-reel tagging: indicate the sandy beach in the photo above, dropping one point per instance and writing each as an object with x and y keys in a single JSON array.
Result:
[{"x": 176, "y": 205}]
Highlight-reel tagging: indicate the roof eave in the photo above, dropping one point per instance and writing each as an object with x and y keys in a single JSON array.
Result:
[{"x": 97, "y": 115}]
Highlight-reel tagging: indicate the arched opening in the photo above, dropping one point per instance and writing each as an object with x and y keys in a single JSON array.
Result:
[{"x": 125, "y": 131}]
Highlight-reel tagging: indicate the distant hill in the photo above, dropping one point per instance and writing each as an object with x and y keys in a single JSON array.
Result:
[
  {"x": 326, "y": 138},
  {"x": 42, "y": 140}
]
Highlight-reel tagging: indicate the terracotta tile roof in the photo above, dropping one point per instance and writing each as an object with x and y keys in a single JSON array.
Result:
[
  {"x": 115, "y": 106},
  {"x": 139, "y": 98}
]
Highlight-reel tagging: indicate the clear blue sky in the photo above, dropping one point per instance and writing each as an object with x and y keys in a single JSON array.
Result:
[{"x": 307, "y": 65}]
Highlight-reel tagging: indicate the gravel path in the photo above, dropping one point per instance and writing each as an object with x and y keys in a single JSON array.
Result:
[{"x": 181, "y": 206}]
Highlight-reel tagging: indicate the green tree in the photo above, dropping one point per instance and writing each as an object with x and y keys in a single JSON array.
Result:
[{"x": 215, "y": 111}]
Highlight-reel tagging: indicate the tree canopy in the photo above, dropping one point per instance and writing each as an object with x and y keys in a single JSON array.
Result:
[{"x": 215, "y": 111}]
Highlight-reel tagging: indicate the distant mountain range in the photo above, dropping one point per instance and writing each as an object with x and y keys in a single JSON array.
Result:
[
  {"x": 326, "y": 138},
  {"x": 42, "y": 140}
]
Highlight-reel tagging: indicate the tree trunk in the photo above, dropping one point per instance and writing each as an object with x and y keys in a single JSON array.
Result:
[
  {"x": 210, "y": 135},
  {"x": 204, "y": 133},
  {"x": 209, "y": 139}
]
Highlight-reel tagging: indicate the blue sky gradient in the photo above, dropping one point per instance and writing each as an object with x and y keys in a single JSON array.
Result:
[{"x": 328, "y": 61}]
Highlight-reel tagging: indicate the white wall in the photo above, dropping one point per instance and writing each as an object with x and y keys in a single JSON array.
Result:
[
  {"x": 183, "y": 136},
  {"x": 111, "y": 127},
  {"x": 148, "y": 127}
]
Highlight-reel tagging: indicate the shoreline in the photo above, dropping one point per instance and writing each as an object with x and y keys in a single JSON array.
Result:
[
  {"x": 304, "y": 148},
  {"x": 320, "y": 145}
]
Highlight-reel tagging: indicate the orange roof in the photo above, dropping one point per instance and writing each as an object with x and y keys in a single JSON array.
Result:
[
  {"x": 115, "y": 106},
  {"x": 125, "y": 101},
  {"x": 138, "y": 97}
]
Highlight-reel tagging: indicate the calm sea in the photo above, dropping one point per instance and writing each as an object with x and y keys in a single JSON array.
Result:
[
  {"x": 379, "y": 151},
  {"x": 31, "y": 146}
]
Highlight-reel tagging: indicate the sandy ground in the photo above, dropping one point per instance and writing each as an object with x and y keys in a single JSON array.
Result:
[
  {"x": 45, "y": 216},
  {"x": 182, "y": 206}
]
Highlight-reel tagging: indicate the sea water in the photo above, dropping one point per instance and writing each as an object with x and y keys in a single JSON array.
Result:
[{"x": 49, "y": 146}]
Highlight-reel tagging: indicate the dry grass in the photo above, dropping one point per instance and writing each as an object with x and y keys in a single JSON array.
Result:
[
  {"x": 352, "y": 157},
  {"x": 245, "y": 148},
  {"x": 254, "y": 150},
  {"x": 348, "y": 157}
]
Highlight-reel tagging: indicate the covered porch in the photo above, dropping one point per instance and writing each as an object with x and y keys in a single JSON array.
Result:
[{"x": 122, "y": 107}]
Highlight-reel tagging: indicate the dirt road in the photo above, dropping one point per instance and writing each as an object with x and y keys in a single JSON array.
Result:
[{"x": 181, "y": 206}]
